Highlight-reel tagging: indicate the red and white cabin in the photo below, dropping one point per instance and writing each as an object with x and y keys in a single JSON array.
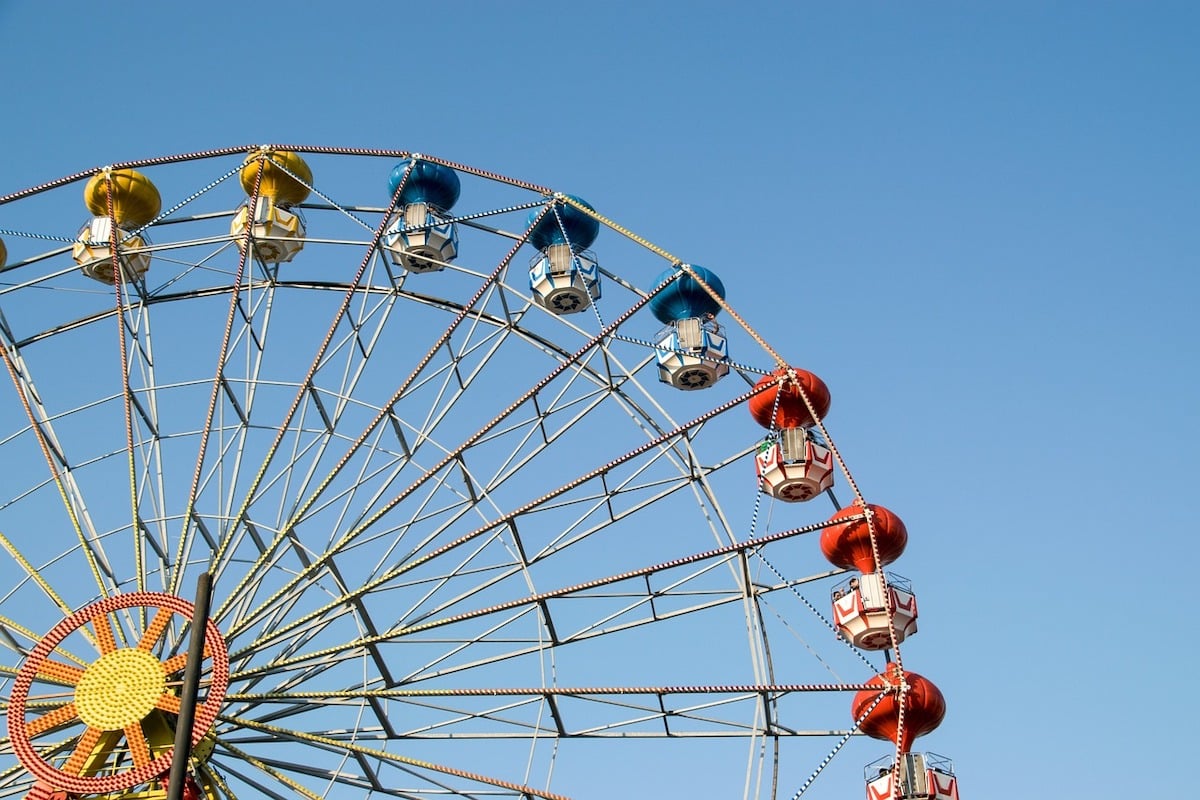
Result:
[
  {"x": 923, "y": 776},
  {"x": 794, "y": 466},
  {"x": 860, "y": 610}
]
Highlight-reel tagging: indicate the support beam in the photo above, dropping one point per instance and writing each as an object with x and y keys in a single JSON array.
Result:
[{"x": 191, "y": 686}]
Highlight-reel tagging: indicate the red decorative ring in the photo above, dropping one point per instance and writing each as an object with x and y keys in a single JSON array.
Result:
[{"x": 206, "y": 712}]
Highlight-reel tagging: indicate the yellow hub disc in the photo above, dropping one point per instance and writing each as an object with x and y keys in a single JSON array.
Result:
[{"x": 119, "y": 689}]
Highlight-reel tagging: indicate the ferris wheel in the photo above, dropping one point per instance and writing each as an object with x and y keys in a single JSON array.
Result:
[{"x": 347, "y": 473}]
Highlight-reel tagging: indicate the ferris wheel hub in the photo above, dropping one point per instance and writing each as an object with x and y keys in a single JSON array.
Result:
[
  {"x": 121, "y": 699},
  {"x": 119, "y": 689}
]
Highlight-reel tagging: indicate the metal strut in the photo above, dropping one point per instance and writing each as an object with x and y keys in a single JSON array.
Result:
[{"x": 191, "y": 686}]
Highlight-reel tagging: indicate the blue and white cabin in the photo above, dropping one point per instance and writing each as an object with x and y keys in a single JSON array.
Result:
[
  {"x": 421, "y": 236},
  {"x": 692, "y": 351},
  {"x": 565, "y": 277}
]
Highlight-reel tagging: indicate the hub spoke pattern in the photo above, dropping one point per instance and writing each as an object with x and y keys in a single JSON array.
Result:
[{"x": 115, "y": 696}]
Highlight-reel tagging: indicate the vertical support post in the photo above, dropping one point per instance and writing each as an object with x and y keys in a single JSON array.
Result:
[{"x": 191, "y": 687}]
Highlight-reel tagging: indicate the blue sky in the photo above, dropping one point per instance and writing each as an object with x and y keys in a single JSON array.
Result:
[{"x": 975, "y": 220}]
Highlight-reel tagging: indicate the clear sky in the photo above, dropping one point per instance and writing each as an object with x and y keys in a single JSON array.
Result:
[{"x": 976, "y": 220}]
